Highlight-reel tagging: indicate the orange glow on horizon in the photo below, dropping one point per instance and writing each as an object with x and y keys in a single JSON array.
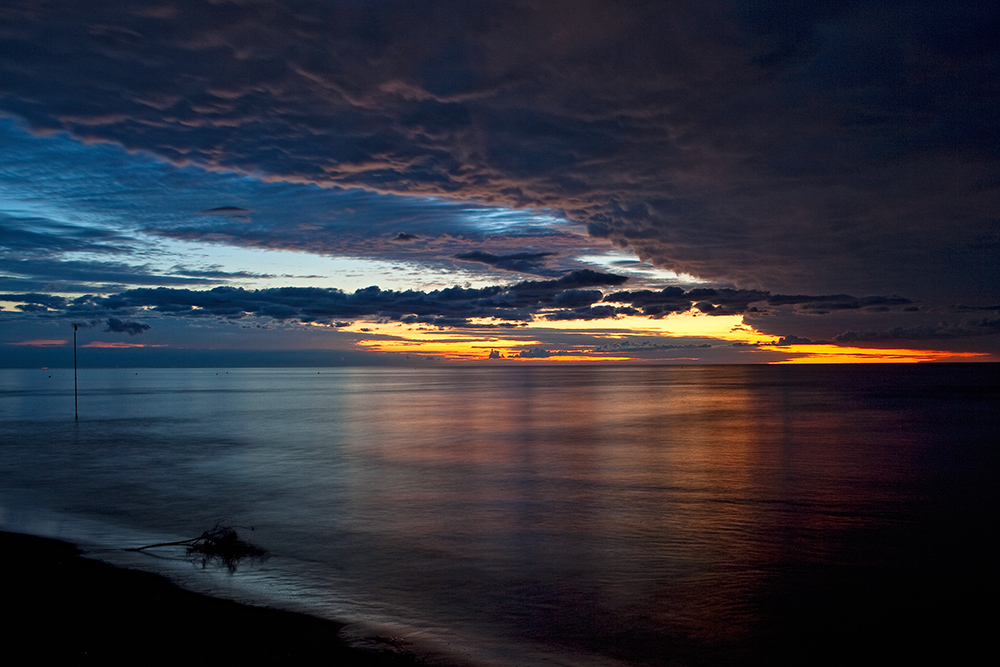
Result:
[
  {"x": 40, "y": 342},
  {"x": 466, "y": 345},
  {"x": 476, "y": 345},
  {"x": 117, "y": 345},
  {"x": 478, "y": 350},
  {"x": 835, "y": 354}
]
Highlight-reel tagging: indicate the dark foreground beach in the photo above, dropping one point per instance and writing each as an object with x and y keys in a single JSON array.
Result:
[{"x": 88, "y": 612}]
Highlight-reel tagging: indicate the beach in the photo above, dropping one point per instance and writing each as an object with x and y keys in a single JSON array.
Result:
[{"x": 89, "y": 612}]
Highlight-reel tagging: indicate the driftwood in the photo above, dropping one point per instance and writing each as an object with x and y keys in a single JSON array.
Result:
[{"x": 220, "y": 545}]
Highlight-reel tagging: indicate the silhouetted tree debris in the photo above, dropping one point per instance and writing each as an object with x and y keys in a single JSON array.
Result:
[{"x": 221, "y": 545}]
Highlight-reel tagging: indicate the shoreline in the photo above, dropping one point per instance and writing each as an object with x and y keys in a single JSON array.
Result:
[{"x": 102, "y": 614}]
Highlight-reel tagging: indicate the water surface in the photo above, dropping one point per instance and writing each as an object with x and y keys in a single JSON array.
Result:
[{"x": 543, "y": 515}]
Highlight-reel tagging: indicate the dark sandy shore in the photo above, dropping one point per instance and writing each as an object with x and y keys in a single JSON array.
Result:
[{"x": 80, "y": 611}]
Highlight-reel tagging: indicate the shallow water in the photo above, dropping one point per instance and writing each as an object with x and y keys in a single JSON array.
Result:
[{"x": 546, "y": 515}]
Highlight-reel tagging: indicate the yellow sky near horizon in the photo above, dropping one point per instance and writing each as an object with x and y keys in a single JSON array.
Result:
[
  {"x": 469, "y": 344},
  {"x": 592, "y": 341}
]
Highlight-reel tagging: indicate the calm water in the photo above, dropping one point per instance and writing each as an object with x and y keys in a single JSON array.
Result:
[{"x": 547, "y": 516}]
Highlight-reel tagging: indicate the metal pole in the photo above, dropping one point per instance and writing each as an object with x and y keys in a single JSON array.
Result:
[{"x": 76, "y": 404}]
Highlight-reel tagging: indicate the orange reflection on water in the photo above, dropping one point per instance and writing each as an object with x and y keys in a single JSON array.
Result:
[
  {"x": 678, "y": 492},
  {"x": 836, "y": 354}
]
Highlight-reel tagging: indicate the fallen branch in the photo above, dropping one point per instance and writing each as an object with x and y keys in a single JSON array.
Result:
[{"x": 221, "y": 545}]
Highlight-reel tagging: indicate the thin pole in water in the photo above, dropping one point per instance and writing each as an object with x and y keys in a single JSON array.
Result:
[{"x": 76, "y": 404}]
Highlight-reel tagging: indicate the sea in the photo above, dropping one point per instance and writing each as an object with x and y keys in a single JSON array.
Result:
[{"x": 545, "y": 515}]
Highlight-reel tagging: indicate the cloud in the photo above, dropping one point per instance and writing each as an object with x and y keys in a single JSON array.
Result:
[
  {"x": 332, "y": 221},
  {"x": 31, "y": 308},
  {"x": 578, "y": 298},
  {"x": 122, "y": 205},
  {"x": 453, "y": 306},
  {"x": 672, "y": 299},
  {"x": 727, "y": 301},
  {"x": 44, "y": 300},
  {"x": 216, "y": 272},
  {"x": 647, "y": 345},
  {"x": 43, "y": 237},
  {"x": 833, "y": 148},
  {"x": 226, "y": 210},
  {"x": 792, "y": 340},
  {"x": 521, "y": 262},
  {"x": 581, "y": 295},
  {"x": 533, "y": 353},
  {"x": 593, "y": 313},
  {"x": 940, "y": 331},
  {"x": 83, "y": 276},
  {"x": 131, "y": 328},
  {"x": 825, "y": 304}
]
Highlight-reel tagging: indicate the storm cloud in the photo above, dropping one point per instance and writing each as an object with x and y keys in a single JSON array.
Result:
[
  {"x": 775, "y": 146},
  {"x": 828, "y": 172}
]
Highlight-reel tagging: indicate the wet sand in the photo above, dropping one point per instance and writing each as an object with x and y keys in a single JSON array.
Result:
[{"x": 81, "y": 611}]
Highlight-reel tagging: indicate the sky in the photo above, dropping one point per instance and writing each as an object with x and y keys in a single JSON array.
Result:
[{"x": 307, "y": 182}]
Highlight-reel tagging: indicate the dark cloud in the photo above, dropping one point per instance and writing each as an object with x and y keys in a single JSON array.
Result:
[
  {"x": 824, "y": 304},
  {"x": 579, "y": 279},
  {"x": 578, "y": 295},
  {"x": 534, "y": 353},
  {"x": 940, "y": 331},
  {"x": 593, "y": 313},
  {"x": 522, "y": 262},
  {"x": 454, "y": 306},
  {"x": 217, "y": 273},
  {"x": 792, "y": 340},
  {"x": 31, "y": 308},
  {"x": 45, "y": 300},
  {"x": 578, "y": 298},
  {"x": 573, "y": 297},
  {"x": 403, "y": 237},
  {"x": 226, "y": 210},
  {"x": 131, "y": 328},
  {"x": 727, "y": 301},
  {"x": 676, "y": 300},
  {"x": 236, "y": 213},
  {"x": 834, "y": 147},
  {"x": 647, "y": 345}
]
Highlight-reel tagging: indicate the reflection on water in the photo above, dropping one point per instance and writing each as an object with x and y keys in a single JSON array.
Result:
[{"x": 564, "y": 515}]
